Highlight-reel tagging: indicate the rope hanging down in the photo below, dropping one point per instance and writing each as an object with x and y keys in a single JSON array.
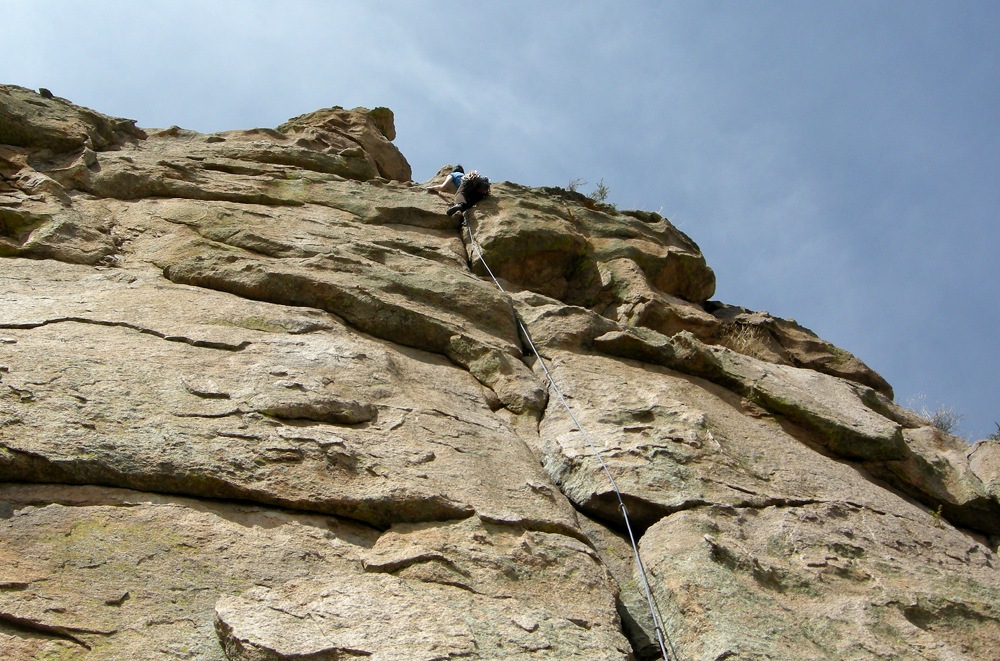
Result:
[{"x": 661, "y": 638}]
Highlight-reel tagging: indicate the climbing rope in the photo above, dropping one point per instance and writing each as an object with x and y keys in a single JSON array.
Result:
[{"x": 661, "y": 638}]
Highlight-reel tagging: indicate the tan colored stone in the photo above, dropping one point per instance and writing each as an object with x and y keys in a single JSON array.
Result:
[
  {"x": 260, "y": 399},
  {"x": 984, "y": 461},
  {"x": 370, "y": 131},
  {"x": 107, "y": 574},
  {"x": 302, "y": 412},
  {"x": 36, "y": 121},
  {"x": 783, "y": 341},
  {"x": 437, "y": 590},
  {"x": 675, "y": 443},
  {"x": 822, "y": 581},
  {"x": 552, "y": 242},
  {"x": 953, "y": 479}
]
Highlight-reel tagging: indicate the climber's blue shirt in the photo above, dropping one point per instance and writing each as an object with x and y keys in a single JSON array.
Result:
[{"x": 456, "y": 178}]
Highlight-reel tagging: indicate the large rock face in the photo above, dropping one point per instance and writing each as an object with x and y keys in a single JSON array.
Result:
[{"x": 261, "y": 399}]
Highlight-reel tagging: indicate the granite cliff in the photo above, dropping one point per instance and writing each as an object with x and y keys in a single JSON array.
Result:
[{"x": 261, "y": 399}]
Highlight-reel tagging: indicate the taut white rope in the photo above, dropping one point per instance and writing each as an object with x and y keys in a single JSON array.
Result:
[{"x": 661, "y": 637}]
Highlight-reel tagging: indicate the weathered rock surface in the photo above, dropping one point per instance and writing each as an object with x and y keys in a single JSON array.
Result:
[
  {"x": 49, "y": 124},
  {"x": 486, "y": 591},
  {"x": 260, "y": 399},
  {"x": 892, "y": 584}
]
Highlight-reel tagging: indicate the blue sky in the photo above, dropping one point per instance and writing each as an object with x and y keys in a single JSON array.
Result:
[{"x": 837, "y": 163}]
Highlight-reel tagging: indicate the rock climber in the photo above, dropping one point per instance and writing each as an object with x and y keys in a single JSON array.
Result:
[
  {"x": 450, "y": 183},
  {"x": 473, "y": 188}
]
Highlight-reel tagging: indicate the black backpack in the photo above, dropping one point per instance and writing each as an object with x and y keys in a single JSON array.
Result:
[{"x": 479, "y": 184}]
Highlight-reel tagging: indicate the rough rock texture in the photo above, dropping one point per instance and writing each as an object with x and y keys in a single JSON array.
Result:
[{"x": 260, "y": 398}]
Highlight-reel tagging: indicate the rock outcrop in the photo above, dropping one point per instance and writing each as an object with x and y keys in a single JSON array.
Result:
[{"x": 260, "y": 398}]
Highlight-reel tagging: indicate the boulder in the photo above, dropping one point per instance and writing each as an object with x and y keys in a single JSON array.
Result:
[
  {"x": 369, "y": 131},
  {"x": 44, "y": 122}
]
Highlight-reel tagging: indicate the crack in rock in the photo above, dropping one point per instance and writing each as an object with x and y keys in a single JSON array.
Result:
[{"x": 201, "y": 344}]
